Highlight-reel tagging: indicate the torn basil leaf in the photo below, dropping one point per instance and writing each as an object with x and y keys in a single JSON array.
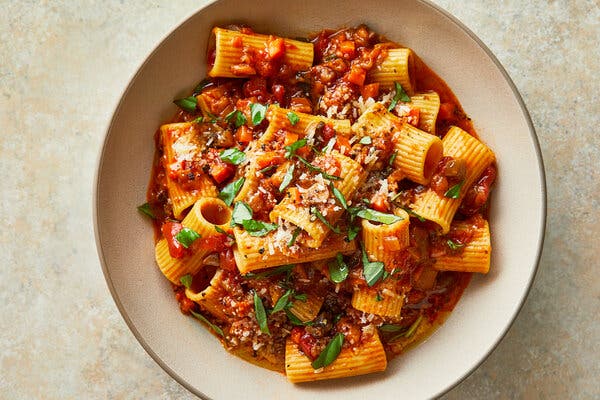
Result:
[
  {"x": 146, "y": 210},
  {"x": 231, "y": 190},
  {"x": 261, "y": 315},
  {"x": 338, "y": 270},
  {"x": 293, "y": 117},
  {"x": 233, "y": 156},
  {"x": 290, "y": 150},
  {"x": 258, "y": 112},
  {"x": 315, "y": 211},
  {"x": 400, "y": 95},
  {"x": 454, "y": 191},
  {"x": 287, "y": 178},
  {"x": 377, "y": 216},
  {"x": 186, "y": 280},
  {"x": 372, "y": 270},
  {"x": 187, "y": 104},
  {"x": 187, "y": 236},
  {"x": 241, "y": 212},
  {"x": 258, "y": 228},
  {"x": 330, "y": 352},
  {"x": 214, "y": 327}
]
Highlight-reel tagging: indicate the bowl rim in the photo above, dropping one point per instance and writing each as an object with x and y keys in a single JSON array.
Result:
[{"x": 100, "y": 161}]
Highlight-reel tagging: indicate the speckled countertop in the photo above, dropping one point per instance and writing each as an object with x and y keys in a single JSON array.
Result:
[{"x": 63, "y": 65}]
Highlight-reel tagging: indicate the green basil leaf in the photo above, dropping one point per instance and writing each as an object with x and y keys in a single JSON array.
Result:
[
  {"x": 146, "y": 210},
  {"x": 294, "y": 237},
  {"x": 338, "y": 270},
  {"x": 413, "y": 327},
  {"x": 338, "y": 195},
  {"x": 203, "y": 83},
  {"x": 231, "y": 190},
  {"x": 236, "y": 117},
  {"x": 393, "y": 158},
  {"x": 224, "y": 232},
  {"x": 198, "y": 120},
  {"x": 186, "y": 280},
  {"x": 258, "y": 228},
  {"x": 290, "y": 150},
  {"x": 293, "y": 117},
  {"x": 353, "y": 231},
  {"x": 187, "y": 236},
  {"x": 301, "y": 297},
  {"x": 454, "y": 191},
  {"x": 258, "y": 112},
  {"x": 261, "y": 315},
  {"x": 295, "y": 320},
  {"x": 270, "y": 272},
  {"x": 390, "y": 328},
  {"x": 214, "y": 327},
  {"x": 365, "y": 140},
  {"x": 372, "y": 270},
  {"x": 315, "y": 211},
  {"x": 378, "y": 297},
  {"x": 267, "y": 169},
  {"x": 413, "y": 214},
  {"x": 330, "y": 352},
  {"x": 317, "y": 169},
  {"x": 233, "y": 156},
  {"x": 187, "y": 104},
  {"x": 400, "y": 95},
  {"x": 454, "y": 245},
  {"x": 241, "y": 212},
  {"x": 287, "y": 178},
  {"x": 377, "y": 216},
  {"x": 283, "y": 301}
]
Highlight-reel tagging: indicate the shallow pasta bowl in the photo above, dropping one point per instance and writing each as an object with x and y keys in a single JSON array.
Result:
[{"x": 186, "y": 350}]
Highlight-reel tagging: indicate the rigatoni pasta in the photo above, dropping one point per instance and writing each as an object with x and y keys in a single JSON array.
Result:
[{"x": 313, "y": 207}]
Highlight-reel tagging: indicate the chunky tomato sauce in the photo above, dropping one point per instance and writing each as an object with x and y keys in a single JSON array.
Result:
[{"x": 335, "y": 86}]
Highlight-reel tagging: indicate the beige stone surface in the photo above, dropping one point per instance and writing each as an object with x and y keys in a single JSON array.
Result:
[{"x": 63, "y": 65}]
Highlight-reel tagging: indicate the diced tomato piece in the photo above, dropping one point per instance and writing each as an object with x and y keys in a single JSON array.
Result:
[
  {"x": 446, "y": 111},
  {"x": 237, "y": 41},
  {"x": 169, "y": 231},
  {"x": 275, "y": 48},
  {"x": 268, "y": 160},
  {"x": 212, "y": 244},
  {"x": 347, "y": 48},
  {"x": 342, "y": 144},
  {"x": 227, "y": 260},
  {"x": 290, "y": 138},
  {"x": 303, "y": 151},
  {"x": 243, "y": 135},
  {"x": 370, "y": 90},
  {"x": 305, "y": 341},
  {"x": 357, "y": 76},
  {"x": 380, "y": 203},
  {"x": 220, "y": 171},
  {"x": 301, "y": 104}
]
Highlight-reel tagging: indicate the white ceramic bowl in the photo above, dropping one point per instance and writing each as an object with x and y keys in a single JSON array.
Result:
[{"x": 186, "y": 350}]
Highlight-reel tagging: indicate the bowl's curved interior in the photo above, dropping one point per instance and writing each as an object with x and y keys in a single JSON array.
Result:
[{"x": 187, "y": 350}]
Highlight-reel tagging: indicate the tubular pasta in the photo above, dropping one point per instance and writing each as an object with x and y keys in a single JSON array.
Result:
[
  {"x": 428, "y": 104},
  {"x": 398, "y": 66},
  {"x": 417, "y": 153},
  {"x": 299, "y": 55},
  {"x": 382, "y": 242},
  {"x": 458, "y": 144},
  {"x": 365, "y": 358},
  {"x": 308, "y": 310},
  {"x": 475, "y": 256},
  {"x": 210, "y": 298}
]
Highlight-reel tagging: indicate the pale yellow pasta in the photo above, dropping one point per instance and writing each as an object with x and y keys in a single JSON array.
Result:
[
  {"x": 474, "y": 257},
  {"x": 175, "y": 138},
  {"x": 376, "y": 121},
  {"x": 428, "y": 104},
  {"x": 458, "y": 144},
  {"x": 229, "y": 52},
  {"x": 210, "y": 298},
  {"x": 289, "y": 209},
  {"x": 207, "y": 213},
  {"x": 382, "y": 242},
  {"x": 368, "y": 357},
  {"x": 252, "y": 253},
  {"x": 417, "y": 153},
  {"x": 385, "y": 302},
  {"x": 398, "y": 66},
  {"x": 308, "y": 310}
]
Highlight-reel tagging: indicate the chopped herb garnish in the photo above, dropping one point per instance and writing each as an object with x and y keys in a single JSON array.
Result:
[
  {"x": 187, "y": 236},
  {"x": 187, "y": 104},
  {"x": 377, "y": 216},
  {"x": 330, "y": 352},
  {"x": 258, "y": 228},
  {"x": 267, "y": 169},
  {"x": 261, "y": 315},
  {"x": 295, "y": 320},
  {"x": 213, "y": 117},
  {"x": 315, "y": 211},
  {"x": 293, "y": 117},
  {"x": 224, "y": 232},
  {"x": 301, "y": 297},
  {"x": 146, "y": 210},
  {"x": 454, "y": 245},
  {"x": 290, "y": 150},
  {"x": 454, "y": 191},
  {"x": 287, "y": 178},
  {"x": 186, "y": 280},
  {"x": 203, "y": 83},
  {"x": 283, "y": 302},
  {"x": 271, "y": 272},
  {"x": 378, "y": 297},
  {"x": 338, "y": 195},
  {"x": 372, "y": 270},
  {"x": 317, "y": 169},
  {"x": 413, "y": 327},
  {"x": 413, "y": 214},
  {"x": 400, "y": 95},
  {"x": 258, "y": 112},
  {"x": 393, "y": 158},
  {"x": 365, "y": 140},
  {"x": 294, "y": 236},
  {"x": 214, "y": 327},
  {"x": 241, "y": 212},
  {"x": 198, "y": 120},
  {"x": 353, "y": 231},
  {"x": 233, "y": 156},
  {"x": 390, "y": 328},
  {"x": 230, "y": 191},
  {"x": 338, "y": 270},
  {"x": 236, "y": 117}
]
